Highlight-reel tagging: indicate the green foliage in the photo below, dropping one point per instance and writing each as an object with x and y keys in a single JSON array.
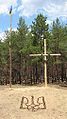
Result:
[
  {"x": 39, "y": 29},
  {"x": 22, "y": 31},
  {"x": 59, "y": 38},
  {"x": 25, "y": 42},
  {"x": 3, "y": 53}
]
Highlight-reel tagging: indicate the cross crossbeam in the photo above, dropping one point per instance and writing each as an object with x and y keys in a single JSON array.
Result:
[
  {"x": 45, "y": 59},
  {"x": 34, "y": 55}
]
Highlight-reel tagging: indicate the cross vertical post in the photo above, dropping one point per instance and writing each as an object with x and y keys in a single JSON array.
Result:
[{"x": 45, "y": 64}]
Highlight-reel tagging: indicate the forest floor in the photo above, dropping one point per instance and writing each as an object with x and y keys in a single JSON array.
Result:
[{"x": 55, "y": 99}]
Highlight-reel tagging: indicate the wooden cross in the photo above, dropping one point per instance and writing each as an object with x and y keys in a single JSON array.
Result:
[{"x": 45, "y": 59}]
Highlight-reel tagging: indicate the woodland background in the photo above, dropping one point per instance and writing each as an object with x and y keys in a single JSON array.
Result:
[{"x": 28, "y": 39}]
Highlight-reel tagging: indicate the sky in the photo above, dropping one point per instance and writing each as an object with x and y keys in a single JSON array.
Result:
[{"x": 29, "y": 9}]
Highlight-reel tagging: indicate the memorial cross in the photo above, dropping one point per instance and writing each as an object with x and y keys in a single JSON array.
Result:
[{"x": 45, "y": 59}]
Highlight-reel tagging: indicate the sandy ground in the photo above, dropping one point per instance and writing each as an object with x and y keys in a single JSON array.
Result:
[{"x": 55, "y": 99}]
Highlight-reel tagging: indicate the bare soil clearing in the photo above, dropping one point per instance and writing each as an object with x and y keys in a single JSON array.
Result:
[{"x": 55, "y": 98}]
